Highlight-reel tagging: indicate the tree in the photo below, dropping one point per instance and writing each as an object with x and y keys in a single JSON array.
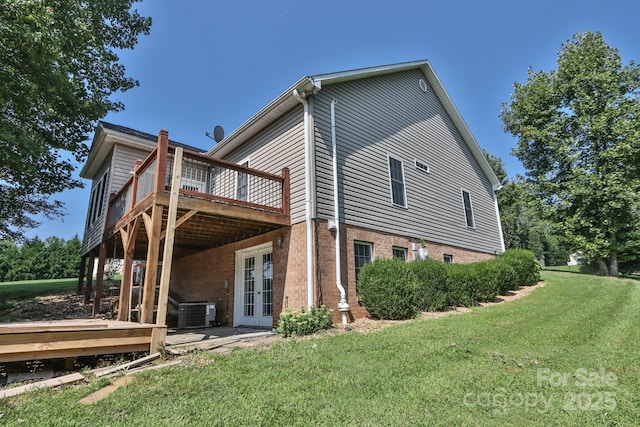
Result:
[
  {"x": 524, "y": 224},
  {"x": 58, "y": 69},
  {"x": 497, "y": 164},
  {"x": 578, "y": 131},
  {"x": 53, "y": 258}
]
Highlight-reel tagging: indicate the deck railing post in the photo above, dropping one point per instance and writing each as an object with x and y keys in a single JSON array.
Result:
[
  {"x": 134, "y": 184},
  {"x": 286, "y": 187},
  {"x": 161, "y": 163}
]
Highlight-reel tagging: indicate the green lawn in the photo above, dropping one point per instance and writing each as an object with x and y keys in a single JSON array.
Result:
[
  {"x": 16, "y": 291},
  {"x": 564, "y": 355}
]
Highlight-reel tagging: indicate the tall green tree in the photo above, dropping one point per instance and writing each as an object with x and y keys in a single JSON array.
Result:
[
  {"x": 524, "y": 223},
  {"x": 58, "y": 68},
  {"x": 35, "y": 259},
  {"x": 578, "y": 130}
]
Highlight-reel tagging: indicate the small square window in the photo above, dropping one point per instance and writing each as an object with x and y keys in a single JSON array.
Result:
[
  {"x": 363, "y": 252},
  {"x": 399, "y": 252},
  {"x": 448, "y": 259}
]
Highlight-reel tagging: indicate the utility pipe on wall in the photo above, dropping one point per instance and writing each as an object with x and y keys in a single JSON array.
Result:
[
  {"x": 302, "y": 98},
  {"x": 343, "y": 306},
  {"x": 495, "y": 202}
]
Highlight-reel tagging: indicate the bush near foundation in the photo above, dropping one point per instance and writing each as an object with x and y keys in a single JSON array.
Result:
[
  {"x": 497, "y": 278},
  {"x": 433, "y": 284},
  {"x": 464, "y": 285},
  {"x": 304, "y": 322},
  {"x": 394, "y": 289},
  {"x": 525, "y": 265},
  {"x": 387, "y": 289}
]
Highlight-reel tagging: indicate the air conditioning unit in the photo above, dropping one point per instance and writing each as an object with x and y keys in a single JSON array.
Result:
[{"x": 196, "y": 314}]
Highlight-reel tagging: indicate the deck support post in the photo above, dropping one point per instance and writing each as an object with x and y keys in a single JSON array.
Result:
[
  {"x": 124, "y": 297},
  {"x": 128, "y": 246},
  {"x": 87, "y": 289},
  {"x": 153, "y": 249},
  {"x": 81, "y": 274},
  {"x": 165, "y": 276},
  {"x": 97, "y": 295}
]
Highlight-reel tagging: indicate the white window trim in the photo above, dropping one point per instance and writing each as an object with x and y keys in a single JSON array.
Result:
[
  {"x": 404, "y": 182},
  {"x": 96, "y": 205},
  {"x": 406, "y": 251},
  {"x": 464, "y": 209},
  {"x": 428, "y": 168},
  {"x": 364, "y": 243}
]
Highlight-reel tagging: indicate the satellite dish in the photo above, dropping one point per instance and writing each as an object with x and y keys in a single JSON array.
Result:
[{"x": 218, "y": 133}]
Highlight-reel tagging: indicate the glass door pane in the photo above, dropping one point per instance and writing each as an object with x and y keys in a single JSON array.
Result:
[{"x": 249, "y": 286}]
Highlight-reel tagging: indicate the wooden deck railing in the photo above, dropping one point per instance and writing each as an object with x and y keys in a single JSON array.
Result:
[{"x": 205, "y": 177}]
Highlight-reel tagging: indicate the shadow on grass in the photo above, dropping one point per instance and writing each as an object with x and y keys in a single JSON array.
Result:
[{"x": 575, "y": 269}]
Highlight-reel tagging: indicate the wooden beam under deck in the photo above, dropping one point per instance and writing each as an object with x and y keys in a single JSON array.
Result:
[{"x": 201, "y": 223}]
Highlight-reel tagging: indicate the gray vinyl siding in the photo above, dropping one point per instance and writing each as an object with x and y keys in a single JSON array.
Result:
[
  {"x": 120, "y": 165},
  {"x": 390, "y": 115},
  {"x": 279, "y": 145}
]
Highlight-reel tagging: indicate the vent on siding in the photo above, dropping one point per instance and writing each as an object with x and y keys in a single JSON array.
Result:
[
  {"x": 422, "y": 166},
  {"x": 423, "y": 85}
]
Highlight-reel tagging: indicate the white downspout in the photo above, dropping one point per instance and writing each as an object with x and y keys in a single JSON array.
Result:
[
  {"x": 343, "y": 306},
  {"x": 495, "y": 202},
  {"x": 307, "y": 195}
]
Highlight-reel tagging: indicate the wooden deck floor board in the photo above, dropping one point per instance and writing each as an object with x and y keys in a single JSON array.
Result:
[{"x": 71, "y": 338}]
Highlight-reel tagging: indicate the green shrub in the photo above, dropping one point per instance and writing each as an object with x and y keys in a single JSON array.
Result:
[
  {"x": 304, "y": 322},
  {"x": 525, "y": 265},
  {"x": 506, "y": 276},
  {"x": 387, "y": 289},
  {"x": 432, "y": 293},
  {"x": 463, "y": 286},
  {"x": 488, "y": 279}
]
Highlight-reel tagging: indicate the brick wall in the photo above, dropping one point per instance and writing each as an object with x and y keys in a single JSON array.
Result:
[
  {"x": 201, "y": 277},
  {"x": 383, "y": 244}
]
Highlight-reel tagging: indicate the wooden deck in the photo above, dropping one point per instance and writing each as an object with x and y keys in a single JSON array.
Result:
[{"x": 72, "y": 338}]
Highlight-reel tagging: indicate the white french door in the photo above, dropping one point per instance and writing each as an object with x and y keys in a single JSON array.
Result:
[{"x": 254, "y": 287}]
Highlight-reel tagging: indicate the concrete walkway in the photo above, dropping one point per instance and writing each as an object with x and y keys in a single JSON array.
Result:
[{"x": 220, "y": 340}]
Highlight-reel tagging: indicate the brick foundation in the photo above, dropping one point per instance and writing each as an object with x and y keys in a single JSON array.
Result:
[
  {"x": 383, "y": 244},
  {"x": 201, "y": 277}
]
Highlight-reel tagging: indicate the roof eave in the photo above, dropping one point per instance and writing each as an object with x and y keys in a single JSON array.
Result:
[
  {"x": 103, "y": 141},
  {"x": 281, "y": 104},
  {"x": 285, "y": 101}
]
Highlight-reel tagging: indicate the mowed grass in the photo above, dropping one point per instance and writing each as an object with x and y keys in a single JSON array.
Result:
[
  {"x": 27, "y": 289},
  {"x": 567, "y": 354}
]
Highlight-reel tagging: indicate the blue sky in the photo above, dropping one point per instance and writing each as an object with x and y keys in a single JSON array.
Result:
[{"x": 210, "y": 63}]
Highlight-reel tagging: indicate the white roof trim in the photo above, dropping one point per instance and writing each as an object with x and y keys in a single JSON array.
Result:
[{"x": 102, "y": 144}]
